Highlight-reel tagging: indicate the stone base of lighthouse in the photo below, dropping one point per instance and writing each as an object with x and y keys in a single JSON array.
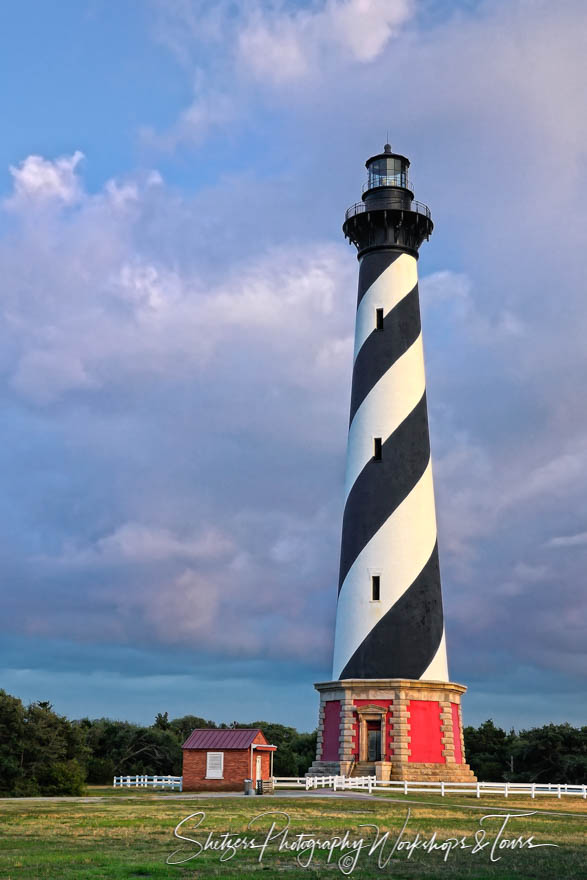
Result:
[{"x": 393, "y": 729}]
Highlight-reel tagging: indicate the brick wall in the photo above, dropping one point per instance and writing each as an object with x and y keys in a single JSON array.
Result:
[{"x": 237, "y": 768}]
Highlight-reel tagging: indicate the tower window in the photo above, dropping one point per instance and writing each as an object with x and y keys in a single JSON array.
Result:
[
  {"x": 379, "y": 319},
  {"x": 375, "y": 587},
  {"x": 377, "y": 448}
]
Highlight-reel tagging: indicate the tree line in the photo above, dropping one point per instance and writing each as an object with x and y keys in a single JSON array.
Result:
[{"x": 44, "y": 753}]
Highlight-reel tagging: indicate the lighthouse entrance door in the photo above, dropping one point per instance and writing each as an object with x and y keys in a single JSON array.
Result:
[
  {"x": 373, "y": 740},
  {"x": 371, "y": 723}
]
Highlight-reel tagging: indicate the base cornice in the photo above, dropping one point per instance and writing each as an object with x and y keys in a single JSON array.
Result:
[{"x": 414, "y": 684}]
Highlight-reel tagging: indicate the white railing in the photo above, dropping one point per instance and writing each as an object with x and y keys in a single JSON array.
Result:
[
  {"x": 289, "y": 782},
  {"x": 504, "y": 789},
  {"x": 367, "y": 783},
  {"x": 320, "y": 782},
  {"x": 173, "y": 782}
]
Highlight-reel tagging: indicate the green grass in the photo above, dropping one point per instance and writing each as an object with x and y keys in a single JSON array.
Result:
[{"x": 130, "y": 834}]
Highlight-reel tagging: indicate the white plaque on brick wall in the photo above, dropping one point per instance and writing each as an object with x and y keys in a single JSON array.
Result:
[{"x": 214, "y": 765}]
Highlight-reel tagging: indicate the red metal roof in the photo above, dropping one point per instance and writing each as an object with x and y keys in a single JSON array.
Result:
[{"x": 209, "y": 738}]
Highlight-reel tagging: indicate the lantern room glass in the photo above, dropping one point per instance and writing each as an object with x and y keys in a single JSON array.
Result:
[{"x": 386, "y": 171}]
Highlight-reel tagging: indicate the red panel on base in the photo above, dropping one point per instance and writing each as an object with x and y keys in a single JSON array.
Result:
[
  {"x": 425, "y": 732},
  {"x": 456, "y": 732},
  {"x": 331, "y": 730}
]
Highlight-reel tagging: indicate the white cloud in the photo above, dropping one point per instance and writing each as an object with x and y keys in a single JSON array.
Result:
[
  {"x": 42, "y": 180},
  {"x": 453, "y": 295},
  {"x": 578, "y": 540},
  {"x": 210, "y": 111},
  {"x": 365, "y": 26},
  {"x": 187, "y": 609},
  {"x": 553, "y": 479},
  {"x": 274, "y": 50},
  {"x": 135, "y": 542},
  {"x": 279, "y": 46},
  {"x": 85, "y": 309},
  {"x": 532, "y": 573}
]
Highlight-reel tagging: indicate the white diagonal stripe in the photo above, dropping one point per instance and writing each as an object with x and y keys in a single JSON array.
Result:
[
  {"x": 385, "y": 293},
  {"x": 398, "y": 552},
  {"x": 387, "y": 405},
  {"x": 438, "y": 667}
]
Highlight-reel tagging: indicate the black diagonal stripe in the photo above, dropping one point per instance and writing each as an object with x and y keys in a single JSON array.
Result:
[
  {"x": 382, "y": 348},
  {"x": 382, "y": 485},
  {"x": 371, "y": 267},
  {"x": 403, "y": 643}
]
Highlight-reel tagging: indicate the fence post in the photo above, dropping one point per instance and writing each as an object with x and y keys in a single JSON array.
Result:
[
  {"x": 533, "y": 789},
  {"x": 478, "y": 790},
  {"x": 442, "y": 788},
  {"x": 559, "y": 792},
  {"x": 405, "y": 786},
  {"x": 506, "y": 789}
]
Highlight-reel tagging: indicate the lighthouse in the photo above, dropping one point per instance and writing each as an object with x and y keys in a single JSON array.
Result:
[{"x": 390, "y": 709}]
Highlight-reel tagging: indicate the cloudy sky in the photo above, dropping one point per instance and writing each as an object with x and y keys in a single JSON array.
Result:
[{"x": 177, "y": 306}]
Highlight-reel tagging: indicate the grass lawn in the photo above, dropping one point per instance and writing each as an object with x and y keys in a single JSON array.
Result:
[{"x": 129, "y": 834}]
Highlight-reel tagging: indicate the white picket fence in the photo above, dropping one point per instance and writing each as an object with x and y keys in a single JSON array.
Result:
[
  {"x": 173, "y": 782},
  {"x": 290, "y": 781},
  {"x": 371, "y": 783}
]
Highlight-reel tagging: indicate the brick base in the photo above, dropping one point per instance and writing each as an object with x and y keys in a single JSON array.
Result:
[
  {"x": 396, "y": 706},
  {"x": 433, "y": 772}
]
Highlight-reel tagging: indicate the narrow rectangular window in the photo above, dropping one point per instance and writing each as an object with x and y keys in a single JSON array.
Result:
[
  {"x": 375, "y": 587},
  {"x": 377, "y": 448},
  {"x": 379, "y": 319},
  {"x": 214, "y": 765}
]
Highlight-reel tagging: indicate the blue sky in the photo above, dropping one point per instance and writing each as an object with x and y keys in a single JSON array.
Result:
[{"x": 177, "y": 319}]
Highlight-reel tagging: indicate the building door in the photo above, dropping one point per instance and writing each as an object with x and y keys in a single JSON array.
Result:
[
  {"x": 258, "y": 776},
  {"x": 373, "y": 741}
]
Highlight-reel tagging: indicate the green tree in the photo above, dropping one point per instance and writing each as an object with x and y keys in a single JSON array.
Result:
[
  {"x": 304, "y": 749},
  {"x": 120, "y": 748},
  {"x": 12, "y": 724},
  {"x": 552, "y": 753},
  {"x": 295, "y": 751},
  {"x": 54, "y": 752},
  {"x": 41, "y": 752},
  {"x": 182, "y": 727},
  {"x": 162, "y": 721},
  {"x": 487, "y": 750}
]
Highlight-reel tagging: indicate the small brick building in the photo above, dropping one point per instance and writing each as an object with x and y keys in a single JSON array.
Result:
[{"x": 220, "y": 760}]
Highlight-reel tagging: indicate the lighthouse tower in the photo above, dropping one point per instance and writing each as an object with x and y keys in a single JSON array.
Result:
[{"x": 390, "y": 709}]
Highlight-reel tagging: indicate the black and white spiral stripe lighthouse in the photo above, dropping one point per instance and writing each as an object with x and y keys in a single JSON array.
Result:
[
  {"x": 389, "y": 648},
  {"x": 389, "y": 618}
]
